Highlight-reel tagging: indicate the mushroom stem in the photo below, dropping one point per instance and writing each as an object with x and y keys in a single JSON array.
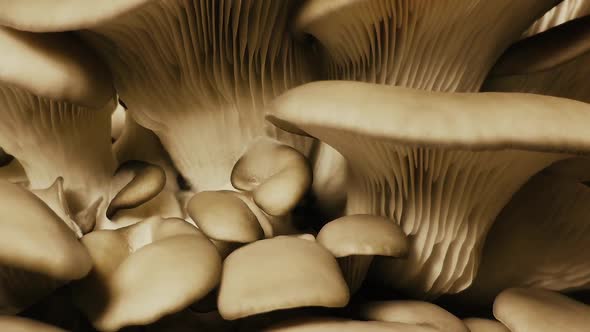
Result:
[{"x": 356, "y": 268}]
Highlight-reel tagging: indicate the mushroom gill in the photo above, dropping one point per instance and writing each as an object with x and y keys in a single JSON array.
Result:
[
  {"x": 440, "y": 165},
  {"x": 566, "y": 11}
]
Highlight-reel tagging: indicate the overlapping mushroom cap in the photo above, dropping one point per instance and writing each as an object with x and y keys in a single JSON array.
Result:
[
  {"x": 38, "y": 252},
  {"x": 19, "y": 324},
  {"x": 329, "y": 324},
  {"x": 420, "y": 158}
]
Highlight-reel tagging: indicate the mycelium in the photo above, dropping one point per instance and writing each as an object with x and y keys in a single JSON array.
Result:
[
  {"x": 539, "y": 240},
  {"x": 567, "y": 10},
  {"x": 197, "y": 73},
  {"x": 440, "y": 165}
]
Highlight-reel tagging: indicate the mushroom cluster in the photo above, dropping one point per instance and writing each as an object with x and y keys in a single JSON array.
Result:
[{"x": 294, "y": 165}]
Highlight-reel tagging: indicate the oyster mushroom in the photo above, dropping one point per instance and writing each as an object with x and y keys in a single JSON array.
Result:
[
  {"x": 20, "y": 324},
  {"x": 421, "y": 159},
  {"x": 329, "y": 324},
  {"x": 524, "y": 310},
  {"x": 145, "y": 271},
  {"x": 279, "y": 273},
  {"x": 355, "y": 239},
  {"x": 484, "y": 325},
  {"x": 566, "y": 11},
  {"x": 38, "y": 252}
]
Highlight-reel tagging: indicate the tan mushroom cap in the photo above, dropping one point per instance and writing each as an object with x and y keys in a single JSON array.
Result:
[
  {"x": 61, "y": 15},
  {"x": 34, "y": 240},
  {"x": 145, "y": 272},
  {"x": 277, "y": 175},
  {"x": 46, "y": 65},
  {"x": 20, "y": 324},
  {"x": 279, "y": 273},
  {"x": 484, "y": 325},
  {"x": 325, "y": 324},
  {"x": 412, "y": 312},
  {"x": 524, "y": 310},
  {"x": 363, "y": 235},
  {"x": 224, "y": 217}
]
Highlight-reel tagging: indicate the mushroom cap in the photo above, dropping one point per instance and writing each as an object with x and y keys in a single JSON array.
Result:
[
  {"x": 565, "y": 11},
  {"x": 49, "y": 66},
  {"x": 35, "y": 239},
  {"x": 20, "y": 324},
  {"x": 279, "y": 273},
  {"x": 223, "y": 216},
  {"x": 146, "y": 271},
  {"x": 62, "y": 15},
  {"x": 473, "y": 121},
  {"x": 412, "y": 312},
  {"x": 540, "y": 310},
  {"x": 484, "y": 325},
  {"x": 363, "y": 235},
  {"x": 328, "y": 324}
]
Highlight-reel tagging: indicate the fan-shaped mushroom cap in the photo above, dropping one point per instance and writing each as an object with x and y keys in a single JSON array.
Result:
[
  {"x": 327, "y": 324},
  {"x": 20, "y": 324},
  {"x": 224, "y": 217},
  {"x": 412, "y": 312},
  {"x": 38, "y": 252},
  {"x": 565, "y": 11},
  {"x": 484, "y": 325},
  {"x": 528, "y": 310},
  {"x": 555, "y": 62},
  {"x": 419, "y": 158},
  {"x": 146, "y": 271},
  {"x": 279, "y": 273},
  {"x": 539, "y": 239},
  {"x": 355, "y": 239}
]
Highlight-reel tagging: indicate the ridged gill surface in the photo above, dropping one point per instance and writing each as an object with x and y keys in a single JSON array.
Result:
[
  {"x": 199, "y": 74},
  {"x": 565, "y": 11}
]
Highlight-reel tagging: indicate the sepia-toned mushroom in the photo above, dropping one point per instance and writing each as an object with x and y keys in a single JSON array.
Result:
[
  {"x": 279, "y": 273},
  {"x": 355, "y": 239},
  {"x": 484, "y": 325},
  {"x": 530, "y": 309},
  {"x": 565, "y": 11},
  {"x": 20, "y": 324},
  {"x": 38, "y": 252},
  {"x": 145, "y": 271},
  {"x": 421, "y": 158},
  {"x": 330, "y": 324}
]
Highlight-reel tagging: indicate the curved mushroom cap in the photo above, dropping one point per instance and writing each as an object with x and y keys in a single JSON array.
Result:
[
  {"x": 62, "y": 15},
  {"x": 484, "y": 325},
  {"x": 565, "y": 11},
  {"x": 445, "y": 46},
  {"x": 363, "y": 235},
  {"x": 412, "y": 312},
  {"x": 36, "y": 245},
  {"x": 145, "y": 272},
  {"x": 523, "y": 310},
  {"x": 555, "y": 62},
  {"x": 539, "y": 239},
  {"x": 419, "y": 158},
  {"x": 279, "y": 273},
  {"x": 46, "y": 65},
  {"x": 326, "y": 324},
  {"x": 20, "y": 324},
  {"x": 223, "y": 216}
]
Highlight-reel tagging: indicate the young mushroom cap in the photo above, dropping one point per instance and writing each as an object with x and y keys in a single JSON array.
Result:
[
  {"x": 419, "y": 158},
  {"x": 329, "y": 324},
  {"x": 555, "y": 62},
  {"x": 38, "y": 252},
  {"x": 21, "y": 324},
  {"x": 412, "y": 312},
  {"x": 566, "y": 11},
  {"x": 524, "y": 310},
  {"x": 279, "y": 273},
  {"x": 146, "y": 271},
  {"x": 539, "y": 239},
  {"x": 484, "y": 325}
]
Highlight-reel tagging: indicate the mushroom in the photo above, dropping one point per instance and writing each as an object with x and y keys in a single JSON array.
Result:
[
  {"x": 204, "y": 78},
  {"x": 38, "y": 252},
  {"x": 118, "y": 119},
  {"x": 13, "y": 172},
  {"x": 20, "y": 324},
  {"x": 279, "y": 273},
  {"x": 412, "y": 312},
  {"x": 355, "y": 239},
  {"x": 145, "y": 271},
  {"x": 554, "y": 62},
  {"x": 421, "y": 159},
  {"x": 565, "y": 11},
  {"x": 539, "y": 239},
  {"x": 484, "y": 325},
  {"x": 524, "y": 310},
  {"x": 329, "y": 324}
]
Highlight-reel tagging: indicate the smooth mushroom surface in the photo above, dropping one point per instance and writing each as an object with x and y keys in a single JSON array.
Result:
[
  {"x": 19, "y": 324},
  {"x": 484, "y": 325},
  {"x": 328, "y": 324},
  {"x": 419, "y": 158}
]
